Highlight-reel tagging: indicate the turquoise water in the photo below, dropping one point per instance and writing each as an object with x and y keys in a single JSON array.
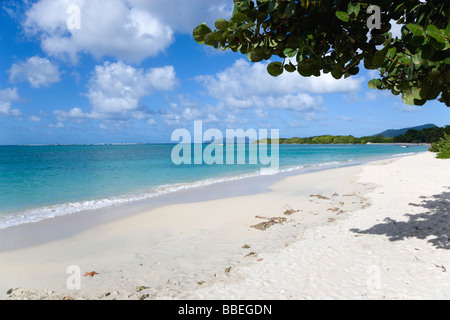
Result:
[{"x": 40, "y": 182}]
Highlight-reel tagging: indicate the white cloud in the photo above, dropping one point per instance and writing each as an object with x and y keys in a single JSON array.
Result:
[
  {"x": 35, "y": 119},
  {"x": 192, "y": 114},
  {"x": 296, "y": 124},
  {"x": 345, "y": 118},
  {"x": 243, "y": 79},
  {"x": 373, "y": 74},
  {"x": 37, "y": 71},
  {"x": 172, "y": 119},
  {"x": 7, "y": 97},
  {"x": 116, "y": 89},
  {"x": 297, "y": 102},
  {"x": 246, "y": 86},
  {"x": 260, "y": 113},
  {"x": 129, "y": 30},
  {"x": 187, "y": 109},
  {"x": 43, "y": 113},
  {"x": 58, "y": 125},
  {"x": 406, "y": 108},
  {"x": 182, "y": 15},
  {"x": 107, "y": 28},
  {"x": 75, "y": 113}
]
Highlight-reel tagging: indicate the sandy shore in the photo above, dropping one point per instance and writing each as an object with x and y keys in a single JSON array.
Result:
[{"x": 374, "y": 231}]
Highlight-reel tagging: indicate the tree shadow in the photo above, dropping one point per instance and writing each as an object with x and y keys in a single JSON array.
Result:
[{"x": 433, "y": 224}]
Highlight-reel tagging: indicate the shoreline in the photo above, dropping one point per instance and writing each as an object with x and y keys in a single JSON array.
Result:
[
  {"x": 114, "y": 203},
  {"x": 199, "y": 249}
]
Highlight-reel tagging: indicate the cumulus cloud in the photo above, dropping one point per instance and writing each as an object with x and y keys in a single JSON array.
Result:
[
  {"x": 406, "y": 108},
  {"x": 246, "y": 85},
  {"x": 116, "y": 89},
  {"x": 128, "y": 30},
  {"x": 35, "y": 119},
  {"x": 183, "y": 16},
  {"x": 106, "y": 28},
  {"x": 39, "y": 72},
  {"x": 187, "y": 109},
  {"x": 7, "y": 97},
  {"x": 243, "y": 79},
  {"x": 75, "y": 113},
  {"x": 58, "y": 125},
  {"x": 246, "y": 88}
]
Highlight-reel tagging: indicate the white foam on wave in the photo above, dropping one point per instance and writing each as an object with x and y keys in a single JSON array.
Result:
[
  {"x": 404, "y": 154},
  {"x": 49, "y": 212}
]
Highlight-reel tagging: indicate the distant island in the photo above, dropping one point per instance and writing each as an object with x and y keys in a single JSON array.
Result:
[{"x": 429, "y": 133}]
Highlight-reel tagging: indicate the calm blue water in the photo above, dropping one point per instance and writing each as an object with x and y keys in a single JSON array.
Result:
[{"x": 40, "y": 182}]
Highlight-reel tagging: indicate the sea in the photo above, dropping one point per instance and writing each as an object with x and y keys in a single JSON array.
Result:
[{"x": 47, "y": 181}]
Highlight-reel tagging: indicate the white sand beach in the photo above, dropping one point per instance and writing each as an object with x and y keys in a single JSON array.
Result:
[{"x": 374, "y": 231}]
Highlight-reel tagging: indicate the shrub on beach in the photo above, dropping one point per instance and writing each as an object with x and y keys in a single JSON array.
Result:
[{"x": 442, "y": 147}]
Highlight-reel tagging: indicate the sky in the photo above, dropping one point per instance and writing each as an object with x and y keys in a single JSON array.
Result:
[{"x": 129, "y": 71}]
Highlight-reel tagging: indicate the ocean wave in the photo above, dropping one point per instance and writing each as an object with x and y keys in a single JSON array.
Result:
[
  {"x": 49, "y": 212},
  {"x": 403, "y": 154}
]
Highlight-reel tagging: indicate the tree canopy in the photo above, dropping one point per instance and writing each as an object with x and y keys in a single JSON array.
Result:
[{"x": 315, "y": 37}]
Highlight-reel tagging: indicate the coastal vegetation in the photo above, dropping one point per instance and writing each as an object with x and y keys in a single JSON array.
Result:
[
  {"x": 442, "y": 147},
  {"x": 429, "y": 135},
  {"x": 312, "y": 38}
]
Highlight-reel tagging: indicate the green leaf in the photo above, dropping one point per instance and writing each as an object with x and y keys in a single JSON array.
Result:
[
  {"x": 290, "y": 67},
  {"x": 416, "y": 93},
  {"x": 427, "y": 51},
  {"x": 354, "y": 9},
  {"x": 240, "y": 17},
  {"x": 410, "y": 71},
  {"x": 200, "y": 32},
  {"x": 210, "y": 39},
  {"x": 437, "y": 45},
  {"x": 391, "y": 52},
  {"x": 379, "y": 57},
  {"x": 273, "y": 5},
  {"x": 408, "y": 97},
  {"x": 353, "y": 71},
  {"x": 248, "y": 25},
  {"x": 305, "y": 69},
  {"x": 275, "y": 69},
  {"x": 337, "y": 72},
  {"x": 417, "y": 58},
  {"x": 290, "y": 9},
  {"x": 289, "y": 52},
  {"x": 416, "y": 29},
  {"x": 256, "y": 55},
  {"x": 417, "y": 40},
  {"x": 372, "y": 84},
  {"x": 343, "y": 16},
  {"x": 222, "y": 24},
  {"x": 434, "y": 32}
]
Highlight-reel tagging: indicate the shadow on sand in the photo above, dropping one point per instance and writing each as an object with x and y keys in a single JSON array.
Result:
[{"x": 432, "y": 224}]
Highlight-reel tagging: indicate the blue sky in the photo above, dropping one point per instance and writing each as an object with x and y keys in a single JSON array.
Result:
[{"x": 77, "y": 71}]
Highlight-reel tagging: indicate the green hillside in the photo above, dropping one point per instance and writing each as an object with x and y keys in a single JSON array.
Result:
[{"x": 391, "y": 133}]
